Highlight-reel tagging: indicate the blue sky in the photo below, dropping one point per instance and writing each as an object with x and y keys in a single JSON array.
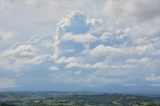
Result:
[{"x": 91, "y": 45}]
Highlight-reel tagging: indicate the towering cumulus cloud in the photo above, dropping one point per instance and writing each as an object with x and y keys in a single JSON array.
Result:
[
  {"x": 75, "y": 23},
  {"x": 81, "y": 43},
  {"x": 74, "y": 28}
]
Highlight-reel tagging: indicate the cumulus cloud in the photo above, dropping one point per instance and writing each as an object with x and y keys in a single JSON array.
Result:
[
  {"x": 19, "y": 56},
  {"x": 100, "y": 65},
  {"x": 75, "y": 26},
  {"x": 102, "y": 50},
  {"x": 120, "y": 47},
  {"x": 76, "y": 23},
  {"x": 85, "y": 38},
  {"x": 67, "y": 60},
  {"x": 140, "y": 60},
  {"x": 75, "y": 65},
  {"x": 91, "y": 46},
  {"x": 21, "y": 51}
]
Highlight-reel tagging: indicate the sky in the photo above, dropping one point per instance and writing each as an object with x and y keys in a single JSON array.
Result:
[{"x": 80, "y": 45}]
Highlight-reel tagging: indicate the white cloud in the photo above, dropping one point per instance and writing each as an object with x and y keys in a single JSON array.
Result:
[
  {"x": 53, "y": 68},
  {"x": 74, "y": 65},
  {"x": 75, "y": 26},
  {"x": 139, "y": 60},
  {"x": 20, "y": 51},
  {"x": 6, "y": 35},
  {"x": 17, "y": 57},
  {"x": 100, "y": 66},
  {"x": 141, "y": 49},
  {"x": 65, "y": 60},
  {"x": 121, "y": 46},
  {"x": 7, "y": 83},
  {"x": 75, "y": 23},
  {"x": 153, "y": 77},
  {"x": 141, "y": 10},
  {"x": 145, "y": 30},
  {"x": 102, "y": 50},
  {"x": 85, "y": 38},
  {"x": 144, "y": 61}
]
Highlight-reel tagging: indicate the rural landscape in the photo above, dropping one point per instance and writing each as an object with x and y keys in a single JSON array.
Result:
[{"x": 75, "y": 99}]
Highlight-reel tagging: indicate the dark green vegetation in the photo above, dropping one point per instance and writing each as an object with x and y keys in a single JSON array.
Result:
[{"x": 74, "y": 99}]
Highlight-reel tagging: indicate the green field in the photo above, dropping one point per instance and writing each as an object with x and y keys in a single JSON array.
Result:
[{"x": 74, "y": 99}]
